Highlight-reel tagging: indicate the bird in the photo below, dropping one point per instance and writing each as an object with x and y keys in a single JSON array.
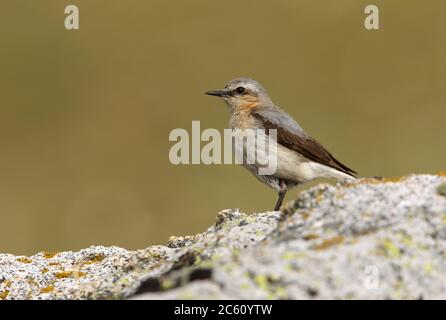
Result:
[{"x": 300, "y": 158}]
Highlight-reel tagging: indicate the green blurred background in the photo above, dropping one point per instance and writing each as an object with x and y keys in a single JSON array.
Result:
[{"x": 85, "y": 115}]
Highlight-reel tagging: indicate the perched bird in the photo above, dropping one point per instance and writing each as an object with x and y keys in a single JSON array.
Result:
[{"x": 300, "y": 158}]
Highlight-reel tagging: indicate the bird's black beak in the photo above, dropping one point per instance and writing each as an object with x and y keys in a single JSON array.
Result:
[{"x": 216, "y": 93}]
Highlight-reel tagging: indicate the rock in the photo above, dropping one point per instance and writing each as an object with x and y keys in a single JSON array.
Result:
[
  {"x": 93, "y": 273},
  {"x": 373, "y": 238}
]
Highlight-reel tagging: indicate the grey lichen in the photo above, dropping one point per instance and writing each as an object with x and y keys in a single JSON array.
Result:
[{"x": 374, "y": 238}]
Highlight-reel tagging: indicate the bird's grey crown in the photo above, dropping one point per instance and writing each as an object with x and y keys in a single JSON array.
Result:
[{"x": 246, "y": 83}]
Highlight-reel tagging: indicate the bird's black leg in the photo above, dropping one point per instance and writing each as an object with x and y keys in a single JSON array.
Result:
[{"x": 282, "y": 193}]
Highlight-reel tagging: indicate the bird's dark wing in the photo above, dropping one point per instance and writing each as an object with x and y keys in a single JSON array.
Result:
[{"x": 305, "y": 145}]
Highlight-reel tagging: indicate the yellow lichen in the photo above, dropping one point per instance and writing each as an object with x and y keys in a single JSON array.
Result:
[
  {"x": 262, "y": 281},
  {"x": 281, "y": 293},
  {"x": 78, "y": 274},
  {"x": 54, "y": 264},
  {"x": 441, "y": 173},
  {"x": 289, "y": 255},
  {"x": 391, "y": 249},
  {"x": 406, "y": 239},
  {"x": 49, "y": 255},
  {"x": 68, "y": 273},
  {"x": 339, "y": 196},
  {"x": 375, "y": 181},
  {"x": 245, "y": 286},
  {"x": 4, "y": 294},
  {"x": 167, "y": 284},
  {"x": 428, "y": 268},
  {"x": 310, "y": 237},
  {"x": 305, "y": 215},
  {"x": 328, "y": 243},
  {"x": 95, "y": 259},
  {"x": 394, "y": 179},
  {"x": 44, "y": 270},
  {"x": 47, "y": 289},
  {"x": 24, "y": 260},
  {"x": 63, "y": 274},
  {"x": 32, "y": 282}
]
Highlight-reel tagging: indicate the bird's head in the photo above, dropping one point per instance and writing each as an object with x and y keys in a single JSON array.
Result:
[{"x": 242, "y": 93}]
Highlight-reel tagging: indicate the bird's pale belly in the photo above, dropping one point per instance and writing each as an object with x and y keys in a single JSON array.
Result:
[
  {"x": 289, "y": 166},
  {"x": 292, "y": 168}
]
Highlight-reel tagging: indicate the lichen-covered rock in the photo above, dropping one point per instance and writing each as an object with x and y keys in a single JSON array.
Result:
[
  {"x": 93, "y": 273},
  {"x": 367, "y": 239}
]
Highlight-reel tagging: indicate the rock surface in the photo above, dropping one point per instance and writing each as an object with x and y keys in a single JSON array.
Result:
[{"x": 383, "y": 239}]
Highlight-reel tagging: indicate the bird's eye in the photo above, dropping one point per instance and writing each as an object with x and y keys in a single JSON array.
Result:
[{"x": 240, "y": 90}]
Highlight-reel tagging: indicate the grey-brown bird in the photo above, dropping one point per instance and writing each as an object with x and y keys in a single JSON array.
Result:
[{"x": 300, "y": 158}]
